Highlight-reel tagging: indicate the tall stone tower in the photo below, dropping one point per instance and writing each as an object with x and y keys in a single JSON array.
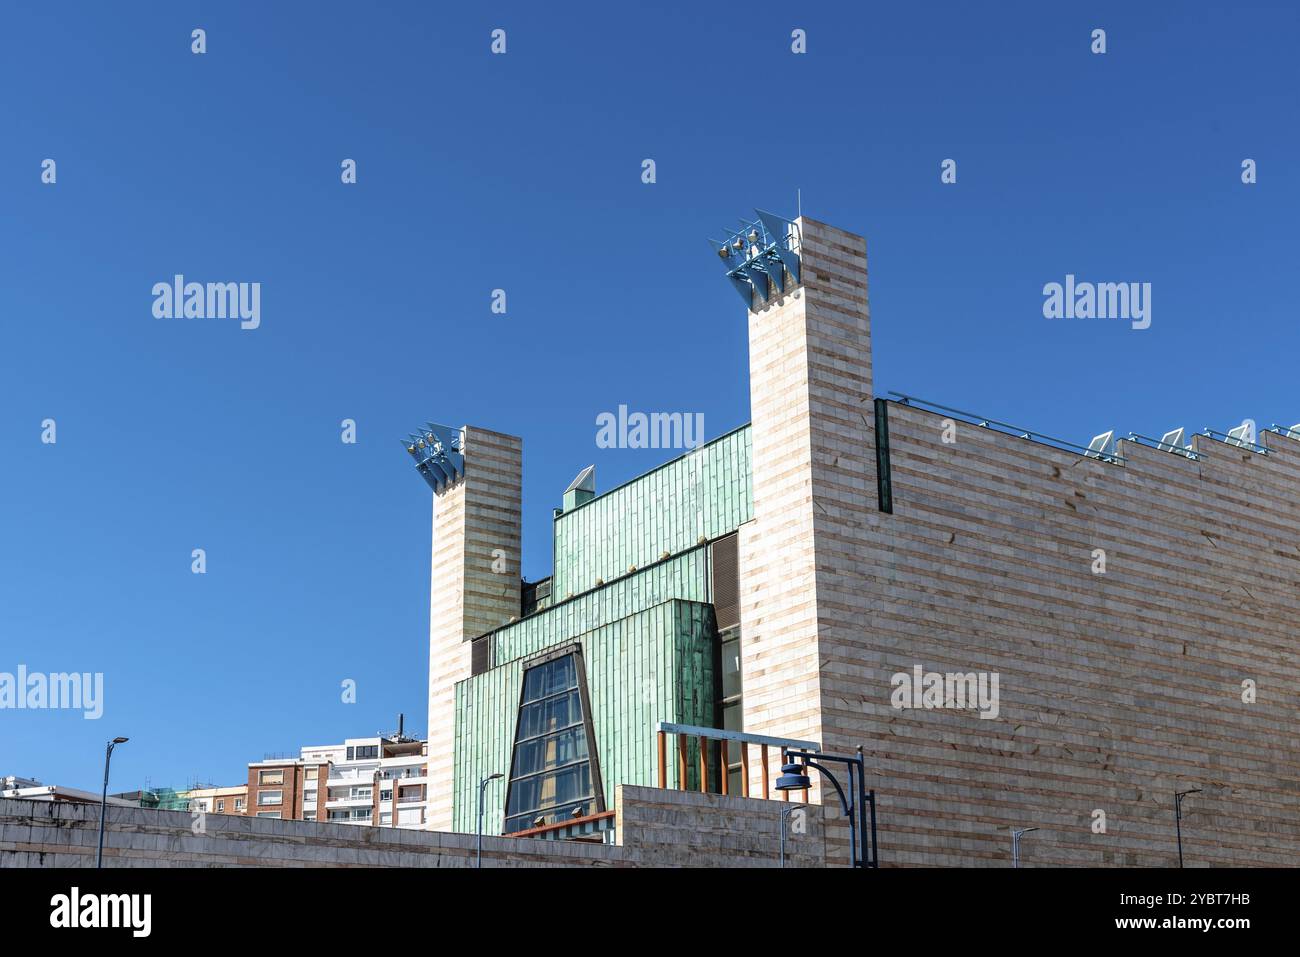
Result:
[
  {"x": 801, "y": 558},
  {"x": 474, "y": 582}
]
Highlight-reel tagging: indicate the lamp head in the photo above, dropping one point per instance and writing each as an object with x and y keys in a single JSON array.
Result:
[
  {"x": 120, "y": 740},
  {"x": 794, "y": 777}
]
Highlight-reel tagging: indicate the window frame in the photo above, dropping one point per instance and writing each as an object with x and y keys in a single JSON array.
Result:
[{"x": 584, "y": 699}]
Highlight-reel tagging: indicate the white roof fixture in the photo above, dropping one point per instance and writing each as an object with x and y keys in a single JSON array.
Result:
[
  {"x": 1172, "y": 440},
  {"x": 1295, "y": 431},
  {"x": 1102, "y": 446},
  {"x": 1243, "y": 434},
  {"x": 585, "y": 481}
]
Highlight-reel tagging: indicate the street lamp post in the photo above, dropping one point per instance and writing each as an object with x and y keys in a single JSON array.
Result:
[
  {"x": 1016, "y": 834},
  {"x": 103, "y": 800},
  {"x": 795, "y": 763},
  {"x": 786, "y": 812},
  {"x": 1178, "y": 818},
  {"x": 482, "y": 786}
]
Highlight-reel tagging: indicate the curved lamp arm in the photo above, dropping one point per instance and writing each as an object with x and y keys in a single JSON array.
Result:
[{"x": 845, "y": 806}]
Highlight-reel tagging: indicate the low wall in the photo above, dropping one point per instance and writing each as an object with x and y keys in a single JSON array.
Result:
[{"x": 654, "y": 829}]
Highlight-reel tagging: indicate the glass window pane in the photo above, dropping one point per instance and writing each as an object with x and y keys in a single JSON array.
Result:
[
  {"x": 730, "y": 668},
  {"x": 550, "y": 773}
]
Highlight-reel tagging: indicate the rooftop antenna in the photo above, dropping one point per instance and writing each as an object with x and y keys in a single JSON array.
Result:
[{"x": 798, "y": 200}]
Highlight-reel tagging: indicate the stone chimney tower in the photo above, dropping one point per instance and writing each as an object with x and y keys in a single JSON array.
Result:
[
  {"x": 802, "y": 557},
  {"x": 477, "y": 479}
]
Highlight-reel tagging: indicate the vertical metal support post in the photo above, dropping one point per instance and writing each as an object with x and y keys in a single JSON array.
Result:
[
  {"x": 663, "y": 760},
  {"x": 744, "y": 769}
]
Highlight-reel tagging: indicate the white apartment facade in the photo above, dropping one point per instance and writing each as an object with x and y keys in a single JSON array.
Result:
[{"x": 380, "y": 781}]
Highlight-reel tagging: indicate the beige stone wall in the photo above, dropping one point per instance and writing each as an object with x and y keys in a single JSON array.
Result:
[
  {"x": 1116, "y": 689},
  {"x": 656, "y": 829},
  {"x": 472, "y": 520}
]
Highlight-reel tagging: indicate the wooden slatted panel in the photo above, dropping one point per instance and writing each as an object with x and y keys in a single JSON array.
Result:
[{"x": 726, "y": 581}]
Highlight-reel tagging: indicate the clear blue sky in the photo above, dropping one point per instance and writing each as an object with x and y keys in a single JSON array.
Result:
[{"x": 522, "y": 172}]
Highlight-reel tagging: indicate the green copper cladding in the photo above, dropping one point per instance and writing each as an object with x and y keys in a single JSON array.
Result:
[
  {"x": 706, "y": 493},
  {"x": 685, "y": 576},
  {"x": 651, "y": 666},
  {"x": 644, "y": 623}
]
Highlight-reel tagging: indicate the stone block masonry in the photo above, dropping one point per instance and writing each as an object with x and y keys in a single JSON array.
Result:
[{"x": 655, "y": 828}]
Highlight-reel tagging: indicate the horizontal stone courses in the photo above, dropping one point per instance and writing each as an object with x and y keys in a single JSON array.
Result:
[
  {"x": 1041, "y": 749},
  {"x": 998, "y": 512},
  {"x": 1135, "y": 664},
  {"x": 1131, "y": 583},
  {"x": 1112, "y": 601},
  {"x": 988, "y": 453},
  {"x": 931, "y": 832},
  {"x": 1143, "y": 824},
  {"x": 1031, "y": 733}
]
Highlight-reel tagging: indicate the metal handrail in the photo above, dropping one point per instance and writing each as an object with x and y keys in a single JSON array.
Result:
[
  {"x": 721, "y": 734},
  {"x": 724, "y": 738},
  {"x": 1147, "y": 441},
  {"x": 1006, "y": 428},
  {"x": 1233, "y": 440}
]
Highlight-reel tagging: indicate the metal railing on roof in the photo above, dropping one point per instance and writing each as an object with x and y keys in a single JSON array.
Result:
[
  {"x": 1006, "y": 428},
  {"x": 1236, "y": 440},
  {"x": 1185, "y": 451}
]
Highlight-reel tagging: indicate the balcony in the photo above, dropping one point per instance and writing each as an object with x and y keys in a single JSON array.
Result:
[{"x": 350, "y": 776}]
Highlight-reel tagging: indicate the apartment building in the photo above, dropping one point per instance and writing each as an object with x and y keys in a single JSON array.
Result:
[
  {"x": 381, "y": 781},
  {"x": 219, "y": 800}
]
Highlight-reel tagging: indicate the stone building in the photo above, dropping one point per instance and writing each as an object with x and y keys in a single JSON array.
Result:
[{"x": 1016, "y": 631}]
